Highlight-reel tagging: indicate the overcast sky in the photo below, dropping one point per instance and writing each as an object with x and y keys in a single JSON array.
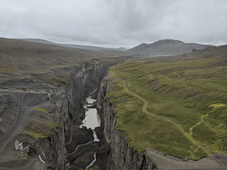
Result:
[{"x": 115, "y": 23}]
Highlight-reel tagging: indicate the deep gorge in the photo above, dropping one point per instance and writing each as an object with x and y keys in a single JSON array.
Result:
[
  {"x": 44, "y": 88},
  {"x": 70, "y": 113}
]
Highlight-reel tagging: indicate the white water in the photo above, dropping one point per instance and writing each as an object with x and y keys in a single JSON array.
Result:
[
  {"x": 93, "y": 160},
  {"x": 92, "y": 119},
  {"x": 78, "y": 147},
  {"x": 68, "y": 164}
]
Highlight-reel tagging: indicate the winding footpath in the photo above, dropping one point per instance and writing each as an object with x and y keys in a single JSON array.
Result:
[
  {"x": 186, "y": 134},
  {"x": 215, "y": 106}
]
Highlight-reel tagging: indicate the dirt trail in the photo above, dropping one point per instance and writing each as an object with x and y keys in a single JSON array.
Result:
[
  {"x": 191, "y": 128},
  {"x": 186, "y": 134},
  {"x": 215, "y": 106}
]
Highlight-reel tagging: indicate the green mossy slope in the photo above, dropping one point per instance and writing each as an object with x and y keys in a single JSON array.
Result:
[{"x": 175, "y": 105}]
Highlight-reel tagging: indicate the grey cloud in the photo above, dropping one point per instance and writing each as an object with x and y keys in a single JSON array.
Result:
[{"x": 115, "y": 22}]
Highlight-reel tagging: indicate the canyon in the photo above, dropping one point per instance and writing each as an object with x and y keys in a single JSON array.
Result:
[
  {"x": 42, "y": 104},
  {"x": 66, "y": 109},
  {"x": 46, "y": 92}
]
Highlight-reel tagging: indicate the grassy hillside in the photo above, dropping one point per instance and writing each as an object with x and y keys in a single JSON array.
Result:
[
  {"x": 176, "y": 105},
  {"x": 52, "y": 63}
]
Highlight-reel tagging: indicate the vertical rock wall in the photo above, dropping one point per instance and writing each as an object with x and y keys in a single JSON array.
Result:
[
  {"x": 69, "y": 113},
  {"x": 121, "y": 155}
]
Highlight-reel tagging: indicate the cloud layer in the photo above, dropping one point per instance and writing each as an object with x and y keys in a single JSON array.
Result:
[{"x": 115, "y": 22}]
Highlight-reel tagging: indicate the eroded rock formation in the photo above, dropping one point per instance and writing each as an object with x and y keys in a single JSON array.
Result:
[{"x": 121, "y": 156}]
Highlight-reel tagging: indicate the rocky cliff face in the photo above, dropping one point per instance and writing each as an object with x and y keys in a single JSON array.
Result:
[
  {"x": 69, "y": 113},
  {"x": 52, "y": 149},
  {"x": 121, "y": 155},
  {"x": 65, "y": 106},
  {"x": 42, "y": 89}
]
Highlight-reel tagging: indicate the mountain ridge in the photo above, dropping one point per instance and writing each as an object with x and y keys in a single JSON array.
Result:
[
  {"x": 165, "y": 47},
  {"x": 84, "y": 47}
]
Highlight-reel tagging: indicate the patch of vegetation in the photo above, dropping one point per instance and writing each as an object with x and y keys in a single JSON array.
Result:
[
  {"x": 40, "y": 129},
  {"x": 41, "y": 109},
  {"x": 53, "y": 124},
  {"x": 168, "y": 105},
  {"x": 50, "y": 81},
  {"x": 37, "y": 135},
  {"x": 7, "y": 70},
  {"x": 77, "y": 160},
  {"x": 94, "y": 168},
  {"x": 61, "y": 80}
]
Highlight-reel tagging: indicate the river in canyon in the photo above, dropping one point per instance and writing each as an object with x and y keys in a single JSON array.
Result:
[{"x": 91, "y": 121}]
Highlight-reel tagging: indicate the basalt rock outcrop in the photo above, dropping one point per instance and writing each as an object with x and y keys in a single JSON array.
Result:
[
  {"x": 121, "y": 156},
  {"x": 40, "y": 103},
  {"x": 70, "y": 112}
]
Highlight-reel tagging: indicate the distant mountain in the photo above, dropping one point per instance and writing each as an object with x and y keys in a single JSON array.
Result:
[
  {"x": 84, "y": 47},
  {"x": 37, "y": 41},
  {"x": 93, "y": 48},
  {"x": 165, "y": 48},
  {"x": 121, "y": 49}
]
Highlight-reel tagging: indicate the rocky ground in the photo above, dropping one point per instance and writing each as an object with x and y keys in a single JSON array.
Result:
[{"x": 42, "y": 89}]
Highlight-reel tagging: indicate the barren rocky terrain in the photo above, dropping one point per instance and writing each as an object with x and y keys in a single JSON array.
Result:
[{"x": 42, "y": 90}]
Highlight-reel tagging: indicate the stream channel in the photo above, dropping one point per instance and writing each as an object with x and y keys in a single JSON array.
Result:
[{"x": 91, "y": 121}]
